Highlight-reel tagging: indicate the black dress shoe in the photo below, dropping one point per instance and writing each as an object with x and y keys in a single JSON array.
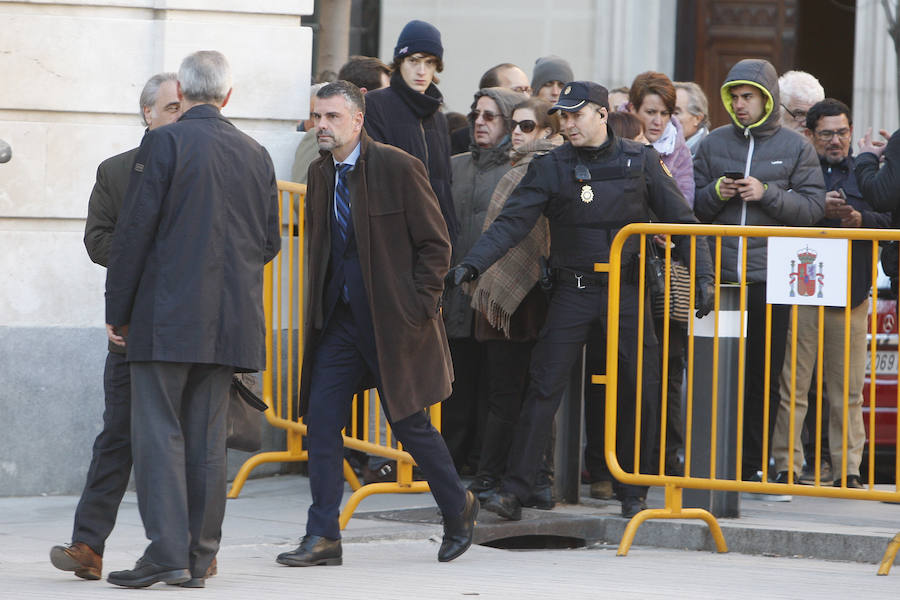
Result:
[
  {"x": 146, "y": 573},
  {"x": 483, "y": 486},
  {"x": 458, "y": 531},
  {"x": 853, "y": 482},
  {"x": 541, "y": 498},
  {"x": 506, "y": 505},
  {"x": 632, "y": 505},
  {"x": 200, "y": 582},
  {"x": 313, "y": 551}
]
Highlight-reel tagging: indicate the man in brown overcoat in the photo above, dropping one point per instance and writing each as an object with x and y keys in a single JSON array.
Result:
[{"x": 377, "y": 249}]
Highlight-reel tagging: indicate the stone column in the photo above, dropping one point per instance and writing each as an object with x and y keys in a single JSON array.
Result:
[{"x": 874, "y": 72}]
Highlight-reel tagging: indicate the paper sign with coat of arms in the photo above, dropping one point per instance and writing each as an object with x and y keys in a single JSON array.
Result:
[{"x": 808, "y": 271}]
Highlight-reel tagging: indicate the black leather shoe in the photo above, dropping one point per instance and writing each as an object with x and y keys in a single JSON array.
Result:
[
  {"x": 458, "y": 531},
  {"x": 484, "y": 486},
  {"x": 146, "y": 573},
  {"x": 853, "y": 482},
  {"x": 506, "y": 505},
  {"x": 541, "y": 498},
  {"x": 632, "y": 505},
  {"x": 313, "y": 551},
  {"x": 200, "y": 582},
  {"x": 782, "y": 477}
]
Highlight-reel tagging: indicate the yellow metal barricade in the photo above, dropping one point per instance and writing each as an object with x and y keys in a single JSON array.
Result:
[
  {"x": 283, "y": 299},
  {"x": 675, "y": 484}
]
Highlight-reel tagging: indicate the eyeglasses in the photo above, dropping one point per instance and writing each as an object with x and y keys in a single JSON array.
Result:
[
  {"x": 825, "y": 135},
  {"x": 797, "y": 114},
  {"x": 488, "y": 115},
  {"x": 527, "y": 126}
]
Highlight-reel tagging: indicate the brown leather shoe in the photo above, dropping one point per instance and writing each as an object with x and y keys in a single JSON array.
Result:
[
  {"x": 77, "y": 557},
  {"x": 212, "y": 570}
]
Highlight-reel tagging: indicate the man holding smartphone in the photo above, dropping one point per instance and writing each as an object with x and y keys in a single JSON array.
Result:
[
  {"x": 830, "y": 128},
  {"x": 753, "y": 171}
]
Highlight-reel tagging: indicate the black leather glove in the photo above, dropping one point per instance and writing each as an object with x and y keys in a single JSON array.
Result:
[
  {"x": 459, "y": 274},
  {"x": 705, "y": 296}
]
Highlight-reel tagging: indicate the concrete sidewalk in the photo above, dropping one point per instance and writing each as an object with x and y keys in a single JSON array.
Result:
[{"x": 391, "y": 546}]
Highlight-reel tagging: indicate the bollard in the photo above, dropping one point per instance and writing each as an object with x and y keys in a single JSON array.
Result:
[{"x": 719, "y": 503}]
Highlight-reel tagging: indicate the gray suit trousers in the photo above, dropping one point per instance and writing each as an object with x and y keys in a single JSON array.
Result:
[{"x": 178, "y": 424}]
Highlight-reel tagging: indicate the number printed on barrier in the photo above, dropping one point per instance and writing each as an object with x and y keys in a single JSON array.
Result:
[{"x": 885, "y": 362}]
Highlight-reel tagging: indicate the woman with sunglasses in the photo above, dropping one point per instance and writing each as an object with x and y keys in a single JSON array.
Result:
[{"x": 510, "y": 309}]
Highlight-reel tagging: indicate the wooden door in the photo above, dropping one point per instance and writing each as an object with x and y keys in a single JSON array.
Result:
[{"x": 722, "y": 32}]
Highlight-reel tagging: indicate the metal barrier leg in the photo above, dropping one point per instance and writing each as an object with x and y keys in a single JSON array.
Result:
[
  {"x": 889, "y": 555},
  {"x": 353, "y": 501},
  {"x": 259, "y": 459},
  {"x": 351, "y": 477},
  {"x": 673, "y": 510}
]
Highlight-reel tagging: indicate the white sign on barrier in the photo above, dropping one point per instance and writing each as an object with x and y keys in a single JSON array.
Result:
[{"x": 807, "y": 271}]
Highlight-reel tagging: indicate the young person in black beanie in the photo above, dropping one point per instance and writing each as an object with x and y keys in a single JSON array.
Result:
[
  {"x": 406, "y": 114},
  {"x": 549, "y": 77}
]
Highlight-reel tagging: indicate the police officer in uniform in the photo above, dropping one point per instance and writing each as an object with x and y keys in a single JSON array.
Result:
[{"x": 588, "y": 188}]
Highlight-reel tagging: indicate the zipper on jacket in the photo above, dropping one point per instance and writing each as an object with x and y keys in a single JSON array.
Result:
[
  {"x": 425, "y": 143},
  {"x": 740, "y": 247}
]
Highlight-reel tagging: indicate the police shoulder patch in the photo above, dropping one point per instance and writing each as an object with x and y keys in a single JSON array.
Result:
[{"x": 665, "y": 168}]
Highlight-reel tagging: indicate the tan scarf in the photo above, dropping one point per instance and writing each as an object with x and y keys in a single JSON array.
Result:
[{"x": 502, "y": 287}]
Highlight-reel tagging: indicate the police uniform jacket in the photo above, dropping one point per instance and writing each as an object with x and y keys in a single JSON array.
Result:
[
  {"x": 783, "y": 160},
  {"x": 199, "y": 221},
  {"x": 404, "y": 253},
  {"x": 627, "y": 181}
]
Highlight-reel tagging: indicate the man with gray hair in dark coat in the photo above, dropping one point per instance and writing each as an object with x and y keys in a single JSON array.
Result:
[
  {"x": 184, "y": 296},
  {"x": 107, "y": 476}
]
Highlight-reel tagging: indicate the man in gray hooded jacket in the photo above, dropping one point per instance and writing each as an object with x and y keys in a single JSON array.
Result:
[
  {"x": 475, "y": 174},
  {"x": 780, "y": 183}
]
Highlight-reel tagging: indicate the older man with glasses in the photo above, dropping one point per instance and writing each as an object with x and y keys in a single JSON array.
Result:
[
  {"x": 799, "y": 91},
  {"x": 475, "y": 175},
  {"x": 830, "y": 127}
]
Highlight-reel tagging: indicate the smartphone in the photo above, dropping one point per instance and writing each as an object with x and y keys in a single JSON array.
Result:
[
  {"x": 842, "y": 194},
  {"x": 733, "y": 175}
]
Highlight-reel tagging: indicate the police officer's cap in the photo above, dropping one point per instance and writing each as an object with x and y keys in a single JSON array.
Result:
[{"x": 578, "y": 93}]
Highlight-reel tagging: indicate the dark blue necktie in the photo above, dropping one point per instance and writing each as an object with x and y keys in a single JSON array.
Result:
[
  {"x": 342, "y": 211},
  {"x": 342, "y": 200}
]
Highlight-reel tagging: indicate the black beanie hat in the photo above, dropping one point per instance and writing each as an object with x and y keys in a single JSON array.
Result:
[{"x": 419, "y": 36}]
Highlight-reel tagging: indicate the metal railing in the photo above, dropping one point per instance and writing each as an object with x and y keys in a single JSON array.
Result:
[
  {"x": 283, "y": 297},
  {"x": 675, "y": 484}
]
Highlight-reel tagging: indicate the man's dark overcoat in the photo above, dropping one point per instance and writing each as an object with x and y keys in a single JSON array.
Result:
[
  {"x": 404, "y": 253},
  {"x": 199, "y": 221}
]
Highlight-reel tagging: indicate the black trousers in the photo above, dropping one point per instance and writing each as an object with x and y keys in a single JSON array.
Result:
[
  {"x": 340, "y": 364},
  {"x": 674, "y": 421},
  {"x": 463, "y": 414},
  {"x": 754, "y": 374},
  {"x": 507, "y": 365},
  {"x": 178, "y": 432},
  {"x": 572, "y": 314},
  {"x": 107, "y": 477}
]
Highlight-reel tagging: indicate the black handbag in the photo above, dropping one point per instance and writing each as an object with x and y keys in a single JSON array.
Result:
[{"x": 244, "y": 407}]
